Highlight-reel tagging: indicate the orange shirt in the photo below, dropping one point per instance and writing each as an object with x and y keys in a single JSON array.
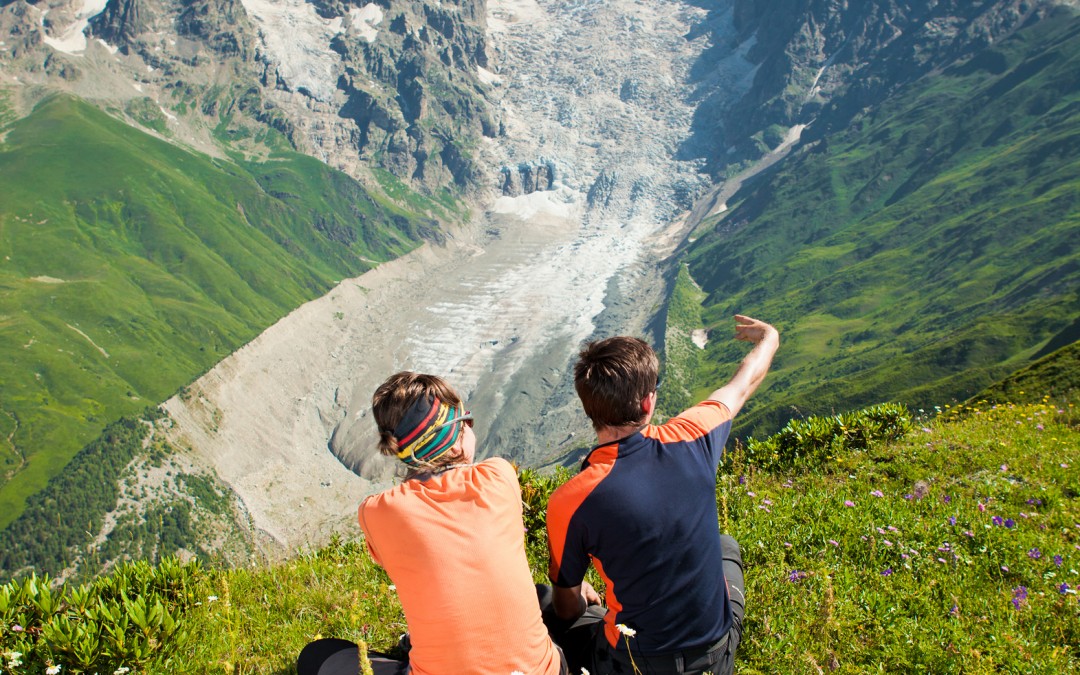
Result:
[{"x": 454, "y": 545}]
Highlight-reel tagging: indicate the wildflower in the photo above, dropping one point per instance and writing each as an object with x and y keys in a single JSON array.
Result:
[
  {"x": 849, "y": 503},
  {"x": 941, "y": 560},
  {"x": 1020, "y": 595},
  {"x": 1034, "y": 501},
  {"x": 1034, "y": 554},
  {"x": 52, "y": 670},
  {"x": 886, "y": 542},
  {"x": 893, "y": 529},
  {"x": 946, "y": 498},
  {"x": 954, "y": 610},
  {"x": 982, "y": 507},
  {"x": 1004, "y": 467},
  {"x": 997, "y": 520},
  {"x": 796, "y": 575},
  {"x": 1058, "y": 560},
  {"x": 1063, "y": 588},
  {"x": 18, "y": 629},
  {"x": 1004, "y": 568},
  {"x": 877, "y": 493},
  {"x": 625, "y": 630},
  {"x": 887, "y": 573},
  {"x": 881, "y": 530},
  {"x": 122, "y": 670},
  {"x": 212, "y": 598},
  {"x": 952, "y": 520},
  {"x": 764, "y": 508},
  {"x": 14, "y": 659},
  {"x": 742, "y": 479},
  {"x": 1039, "y": 427},
  {"x": 834, "y": 542},
  {"x": 584, "y": 672},
  {"x": 927, "y": 430},
  {"x": 969, "y": 533},
  {"x": 750, "y": 494},
  {"x": 909, "y": 497},
  {"x": 1064, "y": 466},
  {"x": 1010, "y": 523},
  {"x": 766, "y": 502},
  {"x": 787, "y": 544},
  {"x": 904, "y": 556}
]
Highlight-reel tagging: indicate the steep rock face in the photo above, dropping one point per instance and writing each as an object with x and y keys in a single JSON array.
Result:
[{"x": 823, "y": 61}]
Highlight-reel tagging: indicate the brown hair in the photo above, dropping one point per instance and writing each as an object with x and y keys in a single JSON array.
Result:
[
  {"x": 393, "y": 398},
  {"x": 613, "y": 377}
]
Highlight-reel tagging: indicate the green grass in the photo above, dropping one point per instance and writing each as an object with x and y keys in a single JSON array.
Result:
[
  {"x": 129, "y": 266},
  {"x": 920, "y": 255},
  {"x": 854, "y": 562}
]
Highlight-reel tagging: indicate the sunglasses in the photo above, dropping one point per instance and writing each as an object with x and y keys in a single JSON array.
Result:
[{"x": 465, "y": 417}]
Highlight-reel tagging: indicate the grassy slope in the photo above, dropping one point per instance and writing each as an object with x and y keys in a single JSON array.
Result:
[
  {"x": 920, "y": 255},
  {"x": 905, "y": 557},
  {"x": 168, "y": 260}
]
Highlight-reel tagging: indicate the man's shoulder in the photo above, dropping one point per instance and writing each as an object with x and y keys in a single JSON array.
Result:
[
  {"x": 573, "y": 492},
  {"x": 692, "y": 423}
]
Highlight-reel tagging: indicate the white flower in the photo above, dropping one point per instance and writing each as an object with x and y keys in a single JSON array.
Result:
[
  {"x": 13, "y": 659},
  {"x": 122, "y": 670},
  {"x": 211, "y": 598},
  {"x": 625, "y": 630},
  {"x": 584, "y": 672},
  {"x": 52, "y": 670}
]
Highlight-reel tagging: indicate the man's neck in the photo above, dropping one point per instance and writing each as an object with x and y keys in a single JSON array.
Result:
[{"x": 605, "y": 435}]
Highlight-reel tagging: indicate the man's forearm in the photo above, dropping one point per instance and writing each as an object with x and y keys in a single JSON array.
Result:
[{"x": 750, "y": 374}]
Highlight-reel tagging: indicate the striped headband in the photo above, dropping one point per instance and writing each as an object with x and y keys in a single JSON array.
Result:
[{"x": 427, "y": 431}]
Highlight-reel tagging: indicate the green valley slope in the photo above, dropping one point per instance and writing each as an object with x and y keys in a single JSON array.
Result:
[
  {"x": 129, "y": 266},
  {"x": 922, "y": 253}
]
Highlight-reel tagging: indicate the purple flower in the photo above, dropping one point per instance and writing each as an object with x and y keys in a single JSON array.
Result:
[
  {"x": 955, "y": 610},
  {"x": 997, "y": 520},
  {"x": 969, "y": 533},
  {"x": 909, "y": 497},
  {"x": 849, "y": 503},
  {"x": 1004, "y": 568},
  {"x": 1063, "y": 588},
  {"x": 1010, "y": 523},
  {"x": 982, "y": 507},
  {"x": 1058, "y": 560},
  {"x": 877, "y": 493},
  {"x": 794, "y": 576},
  {"x": 1005, "y": 467},
  {"x": 1019, "y": 596},
  {"x": 750, "y": 494},
  {"x": 952, "y": 520},
  {"x": 886, "y": 542},
  {"x": 1034, "y": 502},
  {"x": 946, "y": 499},
  {"x": 17, "y": 628},
  {"x": 887, "y": 573},
  {"x": 766, "y": 502},
  {"x": 834, "y": 542},
  {"x": 742, "y": 479},
  {"x": 1039, "y": 427},
  {"x": 1034, "y": 554},
  {"x": 787, "y": 544}
]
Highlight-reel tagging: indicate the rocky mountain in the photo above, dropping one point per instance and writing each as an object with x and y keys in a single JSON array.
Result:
[
  {"x": 819, "y": 63},
  {"x": 555, "y": 154},
  {"x": 391, "y": 86}
]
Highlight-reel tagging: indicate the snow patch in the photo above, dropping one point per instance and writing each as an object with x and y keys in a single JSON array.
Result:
[
  {"x": 364, "y": 21},
  {"x": 73, "y": 40},
  {"x": 487, "y": 77},
  {"x": 557, "y": 203},
  {"x": 298, "y": 40},
  {"x": 106, "y": 45},
  {"x": 700, "y": 337}
]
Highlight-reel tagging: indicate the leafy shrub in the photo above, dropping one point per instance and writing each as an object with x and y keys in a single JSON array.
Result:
[
  {"x": 129, "y": 619},
  {"x": 814, "y": 440}
]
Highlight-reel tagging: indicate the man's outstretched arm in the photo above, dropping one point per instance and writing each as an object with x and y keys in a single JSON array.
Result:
[{"x": 754, "y": 367}]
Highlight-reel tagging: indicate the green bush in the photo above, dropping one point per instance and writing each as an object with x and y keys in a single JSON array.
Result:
[
  {"x": 129, "y": 619},
  {"x": 817, "y": 439}
]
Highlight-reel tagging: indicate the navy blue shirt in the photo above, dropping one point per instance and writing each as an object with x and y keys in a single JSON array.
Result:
[{"x": 643, "y": 511}]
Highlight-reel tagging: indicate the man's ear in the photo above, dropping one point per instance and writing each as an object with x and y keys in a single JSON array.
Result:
[{"x": 648, "y": 404}]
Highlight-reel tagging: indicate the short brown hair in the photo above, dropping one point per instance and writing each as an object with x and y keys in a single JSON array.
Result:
[
  {"x": 394, "y": 397},
  {"x": 613, "y": 377}
]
